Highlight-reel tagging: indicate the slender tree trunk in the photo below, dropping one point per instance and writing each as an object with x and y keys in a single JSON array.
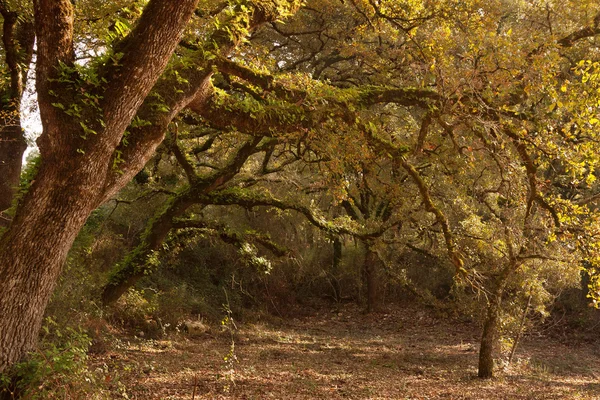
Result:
[
  {"x": 18, "y": 39},
  {"x": 372, "y": 273},
  {"x": 584, "y": 283},
  {"x": 335, "y": 268},
  {"x": 490, "y": 336},
  {"x": 489, "y": 340},
  {"x": 12, "y": 148}
]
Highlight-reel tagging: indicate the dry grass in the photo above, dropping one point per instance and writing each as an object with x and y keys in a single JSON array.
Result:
[{"x": 401, "y": 354}]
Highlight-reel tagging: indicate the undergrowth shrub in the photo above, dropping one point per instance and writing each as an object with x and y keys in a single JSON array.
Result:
[
  {"x": 58, "y": 369},
  {"x": 178, "y": 303},
  {"x": 134, "y": 308}
]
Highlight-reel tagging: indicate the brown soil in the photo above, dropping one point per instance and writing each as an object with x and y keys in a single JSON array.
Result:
[{"x": 402, "y": 353}]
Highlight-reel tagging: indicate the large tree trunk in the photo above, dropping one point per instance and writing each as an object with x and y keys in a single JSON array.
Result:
[
  {"x": 77, "y": 172},
  {"x": 34, "y": 249},
  {"x": 73, "y": 173}
]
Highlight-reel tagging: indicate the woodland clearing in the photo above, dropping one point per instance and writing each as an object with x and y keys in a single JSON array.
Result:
[{"x": 401, "y": 353}]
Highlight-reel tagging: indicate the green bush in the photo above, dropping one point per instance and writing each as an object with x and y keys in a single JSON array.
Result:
[
  {"x": 57, "y": 370},
  {"x": 134, "y": 308}
]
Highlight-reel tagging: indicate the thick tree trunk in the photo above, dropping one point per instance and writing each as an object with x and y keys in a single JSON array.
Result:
[
  {"x": 33, "y": 251},
  {"x": 77, "y": 169},
  {"x": 72, "y": 177},
  {"x": 373, "y": 280}
]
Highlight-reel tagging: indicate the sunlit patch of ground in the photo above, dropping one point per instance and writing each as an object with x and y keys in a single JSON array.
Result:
[{"x": 400, "y": 354}]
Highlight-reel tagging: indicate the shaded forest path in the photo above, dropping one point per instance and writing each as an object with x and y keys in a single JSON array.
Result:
[{"x": 403, "y": 353}]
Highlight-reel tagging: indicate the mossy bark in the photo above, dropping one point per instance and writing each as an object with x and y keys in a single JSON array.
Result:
[
  {"x": 136, "y": 264},
  {"x": 71, "y": 181}
]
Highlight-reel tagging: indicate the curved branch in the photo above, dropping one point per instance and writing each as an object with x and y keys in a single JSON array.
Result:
[
  {"x": 534, "y": 195},
  {"x": 583, "y": 33},
  {"x": 136, "y": 264},
  {"x": 439, "y": 216},
  {"x": 189, "y": 170},
  {"x": 231, "y": 237},
  {"x": 249, "y": 199}
]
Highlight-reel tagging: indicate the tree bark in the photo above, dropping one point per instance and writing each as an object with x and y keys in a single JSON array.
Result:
[
  {"x": 72, "y": 174},
  {"x": 12, "y": 148},
  {"x": 33, "y": 250},
  {"x": 490, "y": 336},
  {"x": 77, "y": 170},
  {"x": 489, "y": 340},
  {"x": 18, "y": 39}
]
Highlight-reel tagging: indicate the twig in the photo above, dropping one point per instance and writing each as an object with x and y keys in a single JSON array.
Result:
[
  {"x": 4, "y": 220},
  {"x": 195, "y": 386}
]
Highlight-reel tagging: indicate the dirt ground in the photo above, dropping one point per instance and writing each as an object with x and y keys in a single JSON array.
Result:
[{"x": 402, "y": 353}]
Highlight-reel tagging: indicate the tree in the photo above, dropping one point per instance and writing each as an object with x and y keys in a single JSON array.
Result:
[
  {"x": 513, "y": 111},
  {"x": 499, "y": 70},
  {"x": 101, "y": 124}
]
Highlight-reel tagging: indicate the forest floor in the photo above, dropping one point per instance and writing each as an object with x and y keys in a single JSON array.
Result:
[{"x": 402, "y": 353}]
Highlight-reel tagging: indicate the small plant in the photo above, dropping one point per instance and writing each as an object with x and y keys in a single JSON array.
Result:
[
  {"x": 230, "y": 358},
  {"x": 57, "y": 370},
  {"x": 135, "y": 307}
]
